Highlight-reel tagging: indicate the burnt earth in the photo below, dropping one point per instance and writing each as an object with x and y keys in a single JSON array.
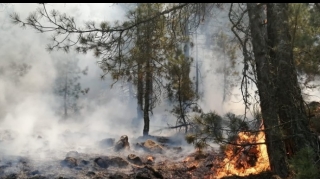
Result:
[
  {"x": 122, "y": 144},
  {"x": 105, "y": 162},
  {"x": 152, "y": 162},
  {"x": 262, "y": 175},
  {"x": 134, "y": 159}
]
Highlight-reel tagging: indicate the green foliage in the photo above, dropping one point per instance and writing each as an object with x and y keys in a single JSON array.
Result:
[
  {"x": 314, "y": 116},
  {"x": 180, "y": 90},
  {"x": 315, "y": 124},
  {"x": 134, "y": 50},
  {"x": 213, "y": 125},
  {"x": 209, "y": 128},
  {"x": 236, "y": 124},
  {"x": 144, "y": 64},
  {"x": 190, "y": 138},
  {"x": 302, "y": 164},
  {"x": 304, "y": 24}
]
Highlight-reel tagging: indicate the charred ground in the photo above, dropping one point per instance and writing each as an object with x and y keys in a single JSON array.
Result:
[{"x": 143, "y": 157}]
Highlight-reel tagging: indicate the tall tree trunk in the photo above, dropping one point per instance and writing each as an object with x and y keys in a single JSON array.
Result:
[
  {"x": 148, "y": 77},
  {"x": 185, "y": 73},
  {"x": 147, "y": 93},
  {"x": 291, "y": 108},
  {"x": 140, "y": 92},
  {"x": 140, "y": 85},
  {"x": 181, "y": 101},
  {"x": 140, "y": 75},
  {"x": 267, "y": 92}
]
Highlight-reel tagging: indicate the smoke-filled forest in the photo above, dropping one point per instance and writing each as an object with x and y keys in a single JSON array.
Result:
[{"x": 159, "y": 90}]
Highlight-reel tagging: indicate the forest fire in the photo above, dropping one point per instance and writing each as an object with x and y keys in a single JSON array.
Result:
[{"x": 243, "y": 159}]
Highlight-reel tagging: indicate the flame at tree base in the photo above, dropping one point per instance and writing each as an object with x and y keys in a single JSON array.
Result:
[{"x": 243, "y": 158}]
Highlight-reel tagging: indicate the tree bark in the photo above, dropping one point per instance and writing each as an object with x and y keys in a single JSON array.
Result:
[
  {"x": 267, "y": 91},
  {"x": 140, "y": 76},
  {"x": 140, "y": 92},
  {"x": 148, "y": 77},
  {"x": 184, "y": 76},
  {"x": 147, "y": 101},
  {"x": 291, "y": 110}
]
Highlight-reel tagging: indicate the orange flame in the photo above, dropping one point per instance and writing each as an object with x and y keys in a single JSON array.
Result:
[
  {"x": 243, "y": 160},
  {"x": 186, "y": 159},
  {"x": 150, "y": 159}
]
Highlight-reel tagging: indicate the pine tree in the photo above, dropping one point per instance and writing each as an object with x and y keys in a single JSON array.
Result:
[
  {"x": 180, "y": 89},
  {"x": 304, "y": 24},
  {"x": 68, "y": 86}
]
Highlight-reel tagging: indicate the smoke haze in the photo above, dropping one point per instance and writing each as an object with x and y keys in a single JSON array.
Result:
[{"x": 28, "y": 104}]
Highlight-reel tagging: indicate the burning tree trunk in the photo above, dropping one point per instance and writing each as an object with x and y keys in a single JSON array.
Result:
[{"x": 279, "y": 91}]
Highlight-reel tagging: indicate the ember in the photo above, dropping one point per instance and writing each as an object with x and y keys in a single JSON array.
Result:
[
  {"x": 150, "y": 159},
  {"x": 187, "y": 159},
  {"x": 244, "y": 158}
]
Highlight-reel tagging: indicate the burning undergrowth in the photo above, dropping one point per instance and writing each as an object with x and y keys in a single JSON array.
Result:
[
  {"x": 143, "y": 157},
  {"x": 83, "y": 156},
  {"x": 242, "y": 144},
  {"x": 128, "y": 157},
  {"x": 247, "y": 155}
]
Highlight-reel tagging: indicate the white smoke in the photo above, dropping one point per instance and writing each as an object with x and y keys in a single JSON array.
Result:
[
  {"x": 28, "y": 106},
  {"x": 28, "y": 119}
]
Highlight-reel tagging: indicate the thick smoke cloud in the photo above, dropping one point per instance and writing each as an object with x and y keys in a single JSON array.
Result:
[{"x": 28, "y": 105}]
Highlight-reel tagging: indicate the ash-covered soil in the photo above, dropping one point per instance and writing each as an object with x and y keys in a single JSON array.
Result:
[{"x": 123, "y": 158}]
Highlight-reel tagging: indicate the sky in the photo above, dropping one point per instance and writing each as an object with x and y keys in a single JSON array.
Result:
[{"x": 28, "y": 106}]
